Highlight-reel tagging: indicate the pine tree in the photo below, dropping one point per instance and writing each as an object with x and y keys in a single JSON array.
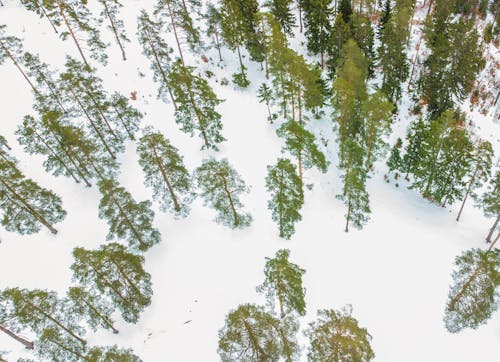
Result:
[
  {"x": 55, "y": 346},
  {"x": 287, "y": 196},
  {"x": 26, "y": 206},
  {"x": 318, "y": 22},
  {"x": 339, "y": 35},
  {"x": 10, "y": 327},
  {"x": 111, "y": 354},
  {"x": 251, "y": 334},
  {"x": 92, "y": 308},
  {"x": 178, "y": 14},
  {"x": 474, "y": 295},
  {"x": 213, "y": 26},
  {"x": 282, "y": 11},
  {"x": 301, "y": 144},
  {"x": 220, "y": 187},
  {"x": 117, "y": 274},
  {"x": 196, "y": 104},
  {"x": 377, "y": 112},
  {"x": 283, "y": 283},
  {"x": 109, "y": 14},
  {"x": 362, "y": 33},
  {"x": 127, "y": 219},
  {"x": 11, "y": 48},
  {"x": 157, "y": 51},
  {"x": 165, "y": 173},
  {"x": 85, "y": 91},
  {"x": 42, "y": 8},
  {"x": 490, "y": 203},
  {"x": 77, "y": 22},
  {"x": 265, "y": 95},
  {"x": 354, "y": 192},
  {"x": 337, "y": 336},
  {"x": 126, "y": 118},
  {"x": 39, "y": 310},
  {"x": 479, "y": 172}
]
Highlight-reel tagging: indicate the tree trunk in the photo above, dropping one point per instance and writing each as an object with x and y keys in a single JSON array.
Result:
[
  {"x": 242, "y": 67},
  {"x": 163, "y": 75},
  {"x": 113, "y": 27},
  {"x": 129, "y": 133},
  {"x": 348, "y": 216},
  {"x": 166, "y": 180},
  {"x": 25, "y": 342},
  {"x": 110, "y": 285},
  {"x": 493, "y": 228},
  {"x": 280, "y": 203},
  {"x": 235, "y": 214},
  {"x": 125, "y": 276},
  {"x": 62, "y": 346},
  {"x": 71, "y": 32},
  {"x": 300, "y": 18},
  {"x": 468, "y": 191},
  {"x": 51, "y": 90},
  {"x": 216, "y": 33},
  {"x": 103, "y": 318},
  {"x": 174, "y": 28},
  {"x": 198, "y": 116},
  {"x": 32, "y": 211},
  {"x": 261, "y": 354},
  {"x": 9, "y": 54}
]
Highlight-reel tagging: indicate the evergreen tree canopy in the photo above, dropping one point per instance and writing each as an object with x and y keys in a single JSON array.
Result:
[
  {"x": 287, "y": 196},
  {"x": 111, "y": 354},
  {"x": 336, "y": 336},
  {"x": 109, "y": 14},
  {"x": 283, "y": 283},
  {"x": 220, "y": 186}
]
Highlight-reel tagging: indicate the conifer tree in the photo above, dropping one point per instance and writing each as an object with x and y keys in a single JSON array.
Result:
[
  {"x": 287, "y": 196},
  {"x": 251, "y": 334},
  {"x": 220, "y": 187},
  {"x": 112, "y": 354},
  {"x": 126, "y": 118},
  {"x": 318, "y": 23},
  {"x": 117, "y": 274},
  {"x": 345, "y": 9},
  {"x": 26, "y": 206},
  {"x": 395, "y": 161},
  {"x": 479, "y": 171},
  {"x": 39, "y": 310},
  {"x": 301, "y": 144},
  {"x": 337, "y": 336},
  {"x": 10, "y": 327},
  {"x": 76, "y": 22},
  {"x": 265, "y": 95},
  {"x": 92, "y": 308},
  {"x": 178, "y": 15},
  {"x": 42, "y": 8},
  {"x": 283, "y": 284},
  {"x": 109, "y": 14},
  {"x": 362, "y": 33},
  {"x": 377, "y": 112},
  {"x": 11, "y": 48},
  {"x": 213, "y": 25},
  {"x": 196, "y": 104},
  {"x": 157, "y": 51},
  {"x": 127, "y": 219},
  {"x": 474, "y": 295},
  {"x": 282, "y": 11},
  {"x": 339, "y": 34},
  {"x": 490, "y": 203},
  {"x": 165, "y": 173},
  {"x": 53, "y": 345}
]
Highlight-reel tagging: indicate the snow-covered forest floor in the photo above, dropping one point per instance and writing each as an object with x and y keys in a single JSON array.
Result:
[{"x": 395, "y": 272}]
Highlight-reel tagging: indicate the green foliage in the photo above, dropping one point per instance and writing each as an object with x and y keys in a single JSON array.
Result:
[
  {"x": 336, "y": 336},
  {"x": 220, "y": 187},
  {"x": 283, "y": 284},
  {"x": 490, "y": 200},
  {"x": 127, "y": 219},
  {"x": 111, "y": 354},
  {"x": 109, "y": 14},
  {"x": 339, "y": 35},
  {"x": 282, "y": 10},
  {"x": 287, "y": 196},
  {"x": 196, "y": 104},
  {"x": 241, "y": 79},
  {"x": 362, "y": 33},
  {"x": 25, "y": 205},
  {"x": 317, "y": 15},
  {"x": 265, "y": 95},
  {"x": 395, "y": 162},
  {"x": 116, "y": 274},
  {"x": 251, "y": 334},
  {"x": 474, "y": 295},
  {"x": 126, "y": 118},
  {"x": 55, "y": 346},
  {"x": 165, "y": 173}
]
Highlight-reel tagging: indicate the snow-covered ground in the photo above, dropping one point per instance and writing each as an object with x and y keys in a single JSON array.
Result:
[{"x": 395, "y": 272}]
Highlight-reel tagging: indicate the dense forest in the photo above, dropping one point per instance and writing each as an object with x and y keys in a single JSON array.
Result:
[{"x": 350, "y": 90}]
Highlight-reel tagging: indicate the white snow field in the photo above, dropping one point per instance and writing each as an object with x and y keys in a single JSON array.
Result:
[{"x": 395, "y": 272}]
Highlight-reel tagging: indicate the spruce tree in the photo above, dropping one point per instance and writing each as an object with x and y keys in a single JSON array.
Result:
[
  {"x": 337, "y": 336},
  {"x": 196, "y": 104},
  {"x": 287, "y": 196},
  {"x": 479, "y": 172},
  {"x": 362, "y": 33},
  {"x": 474, "y": 295},
  {"x": 345, "y": 9},
  {"x": 109, "y": 14},
  {"x": 318, "y": 23},
  {"x": 301, "y": 144},
  {"x": 251, "y": 334},
  {"x": 127, "y": 219},
  {"x": 26, "y": 206},
  {"x": 39, "y": 310},
  {"x": 117, "y": 274},
  {"x": 165, "y": 173},
  {"x": 158, "y": 52},
  {"x": 283, "y": 284},
  {"x": 220, "y": 187},
  {"x": 395, "y": 161},
  {"x": 265, "y": 95},
  {"x": 178, "y": 15},
  {"x": 92, "y": 308},
  {"x": 282, "y": 11},
  {"x": 339, "y": 35}
]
